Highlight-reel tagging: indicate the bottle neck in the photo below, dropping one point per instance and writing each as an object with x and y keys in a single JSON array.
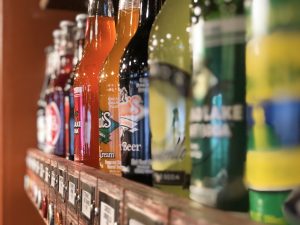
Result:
[
  {"x": 98, "y": 9},
  {"x": 148, "y": 11},
  {"x": 101, "y": 8},
  {"x": 128, "y": 18}
]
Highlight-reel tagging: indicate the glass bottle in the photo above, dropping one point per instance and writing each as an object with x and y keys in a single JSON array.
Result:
[
  {"x": 170, "y": 73},
  {"x": 79, "y": 40},
  {"x": 217, "y": 119},
  {"x": 66, "y": 55},
  {"x": 273, "y": 110},
  {"x": 52, "y": 112},
  {"x": 100, "y": 38},
  {"x": 109, "y": 135},
  {"x": 41, "y": 112},
  {"x": 134, "y": 99}
]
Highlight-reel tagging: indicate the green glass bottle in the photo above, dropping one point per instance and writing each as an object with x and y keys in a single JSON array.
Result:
[
  {"x": 170, "y": 72},
  {"x": 218, "y": 117}
]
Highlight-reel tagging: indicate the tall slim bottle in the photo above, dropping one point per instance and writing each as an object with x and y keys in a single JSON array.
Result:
[
  {"x": 109, "y": 129},
  {"x": 170, "y": 72},
  {"x": 65, "y": 69},
  {"x": 79, "y": 40},
  {"x": 134, "y": 99},
  {"x": 217, "y": 119},
  {"x": 52, "y": 112},
  {"x": 41, "y": 112},
  {"x": 100, "y": 38}
]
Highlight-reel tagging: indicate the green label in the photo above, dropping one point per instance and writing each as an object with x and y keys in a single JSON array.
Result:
[
  {"x": 106, "y": 126},
  {"x": 217, "y": 118}
]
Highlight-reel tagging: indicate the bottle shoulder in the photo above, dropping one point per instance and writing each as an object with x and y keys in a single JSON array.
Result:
[{"x": 134, "y": 61}]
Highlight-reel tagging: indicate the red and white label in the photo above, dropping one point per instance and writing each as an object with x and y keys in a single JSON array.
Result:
[
  {"x": 53, "y": 125},
  {"x": 78, "y": 121}
]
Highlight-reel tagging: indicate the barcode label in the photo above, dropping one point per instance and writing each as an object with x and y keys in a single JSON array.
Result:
[
  {"x": 61, "y": 185},
  {"x": 72, "y": 193},
  {"x": 46, "y": 175},
  {"x": 86, "y": 204},
  {"x": 135, "y": 222},
  {"x": 52, "y": 179},
  {"x": 107, "y": 216}
]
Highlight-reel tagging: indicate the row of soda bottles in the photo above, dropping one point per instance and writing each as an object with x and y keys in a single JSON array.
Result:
[{"x": 161, "y": 97}]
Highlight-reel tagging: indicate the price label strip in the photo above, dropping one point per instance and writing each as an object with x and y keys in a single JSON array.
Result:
[{"x": 109, "y": 210}]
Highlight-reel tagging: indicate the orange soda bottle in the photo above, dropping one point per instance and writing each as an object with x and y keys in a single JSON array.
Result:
[{"x": 109, "y": 133}]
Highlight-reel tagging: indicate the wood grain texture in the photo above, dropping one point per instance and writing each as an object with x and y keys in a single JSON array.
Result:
[{"x": 26, "y": 31}]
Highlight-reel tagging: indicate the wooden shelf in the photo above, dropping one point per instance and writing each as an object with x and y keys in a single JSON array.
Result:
[{"x": 123, "y": 199}]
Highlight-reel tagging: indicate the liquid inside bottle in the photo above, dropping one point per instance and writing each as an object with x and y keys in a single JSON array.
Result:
[
  {"x": 100, "y": 38},
  {"x": 170, "y": 72},
  {"x": 109, "y": 127},
  {"x": 134, "y": 100}
]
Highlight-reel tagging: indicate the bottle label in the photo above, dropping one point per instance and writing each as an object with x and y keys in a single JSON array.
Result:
[
  {"x": 53, "y": 126},
  {"x": 134, "y": 123},
  {"x": 109, "y": 130},
  {"x": 109, "y": 210},
  {"x": 168, "y": 105},
  {"x": 78, "y": 120},
  {"x": 67, "y": 123},
  {"x": 273, "y": 113},
  {"x": 41, "y": 126},
  {"x": 217, "y": 116}
]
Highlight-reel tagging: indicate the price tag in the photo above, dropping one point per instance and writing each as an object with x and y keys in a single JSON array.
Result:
[
  {"x": 53, "y": 179},
  {"x": 109, "y": 209},
  {"x": 135, "y": 222},
  {"x": 46, "y": 175},
  {"x": 86, "y": 204},
  {"x": 41, "y": 170},
  {"x": 72, "y": 193},
  {"x": 107, "y": 216},
  {"x": 61, "y": 185}
]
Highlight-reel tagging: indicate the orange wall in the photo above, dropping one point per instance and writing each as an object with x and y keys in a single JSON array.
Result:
[{"x": 26, "y": 31}]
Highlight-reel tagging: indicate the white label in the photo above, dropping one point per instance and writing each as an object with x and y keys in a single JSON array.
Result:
[
  {"x": 135, "y": 222},
  {"x": 61, "y": 185},
  {"x": 46, "y": 174},
  {"x": 72, "y": 193},
  {"x": 107, "y": 216},
  {"x": 52, "y": 179},
  {"x": 41, "y": 170},
  {"x": 86, "y": 204}
]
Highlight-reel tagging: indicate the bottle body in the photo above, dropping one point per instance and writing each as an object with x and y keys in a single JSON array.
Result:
[
  {"x": 273, "y": 86},
  {"x": 217, "y": 119},
  {"x": 109, "y": 133},
  {"x": 79, "y": 43},
  {"x": 86, "y": 88},
  {"x": 170, "y": 69}
]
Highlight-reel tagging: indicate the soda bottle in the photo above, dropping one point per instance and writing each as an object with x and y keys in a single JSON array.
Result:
[
  {"x": 66, "y": 54},
  {"x": 170, "y": 72},
  {"x": 100, "y": 37},
  {"x": 52, "y": 112},
  {"x": 134, "y": 99},
  {"x": 110, "y": 154},
  {"x": 79, "y": 40},
  {"x": 41, "y": 112},
  {"x": 217, "y": 118},
  {"x": 273, "y": 110}
]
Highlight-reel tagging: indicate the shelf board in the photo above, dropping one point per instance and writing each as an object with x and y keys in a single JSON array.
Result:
[{"x": 176, "y": 209}]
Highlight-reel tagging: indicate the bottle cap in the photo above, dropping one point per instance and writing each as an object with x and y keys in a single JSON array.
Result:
[{"x": 66, "y": 24}]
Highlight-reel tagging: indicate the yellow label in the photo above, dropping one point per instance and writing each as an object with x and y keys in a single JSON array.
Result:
[{"x": 273, "y": 67}]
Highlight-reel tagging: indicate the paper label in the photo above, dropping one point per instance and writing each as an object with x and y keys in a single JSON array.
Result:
[
  {"x": 86, "y": 204},
  {"x": 72, "y": 193}
]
